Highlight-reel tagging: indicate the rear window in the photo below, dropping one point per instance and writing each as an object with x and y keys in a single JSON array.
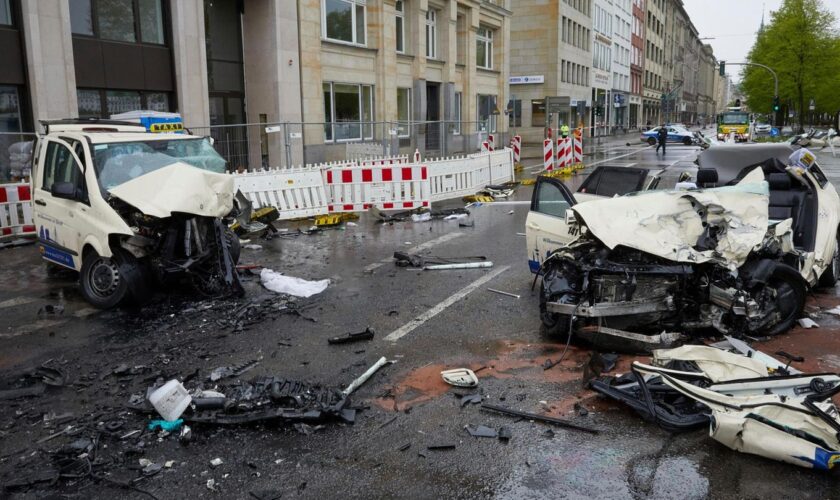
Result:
[{"x": 612, "y": 182}]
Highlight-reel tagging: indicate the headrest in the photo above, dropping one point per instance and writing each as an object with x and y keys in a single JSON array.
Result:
[
  {"x": 706, "y": 176},
  {"x": 779, "y": 182}
]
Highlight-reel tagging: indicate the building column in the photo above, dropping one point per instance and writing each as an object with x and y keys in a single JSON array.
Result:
[
  {"x": 49, "y": 59},
  {"x": 190, "y": 61},
  {"x": 272, "y": 80},
  {"x": 385, "y": 100}
]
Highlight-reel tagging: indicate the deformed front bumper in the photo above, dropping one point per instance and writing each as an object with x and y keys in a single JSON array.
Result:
[{"x": 606, "y": 309}]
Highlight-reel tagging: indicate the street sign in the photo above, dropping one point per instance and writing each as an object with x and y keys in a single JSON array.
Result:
[
  {"x": 811, "y": 105},
  {"x": 525, "y": 80},
  {"x": 555, "y": 104},
  {"x": 774, "y": 132}
]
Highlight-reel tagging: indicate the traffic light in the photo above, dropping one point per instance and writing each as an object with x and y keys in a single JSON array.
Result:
[
  {"x": 737, "y": 103},
  {"x": 723, "y": 68},
  {"x": 776, "y": 105}
]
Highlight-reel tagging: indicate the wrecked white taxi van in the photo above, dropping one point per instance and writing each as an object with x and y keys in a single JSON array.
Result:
[
  {"x": 127, "y": 208},
  {"x": 643, "y": 270}
]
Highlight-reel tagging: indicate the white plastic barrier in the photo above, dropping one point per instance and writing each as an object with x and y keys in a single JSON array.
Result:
[
  {"x": 16, "y": 211},
  {"x": 463, "y": 176},
  {"x": 356, "y": 189},
  {"x": 296, "y": 192}
]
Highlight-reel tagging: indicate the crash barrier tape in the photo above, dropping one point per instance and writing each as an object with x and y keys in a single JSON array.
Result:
[
  {"x": 16, "y": 211},
  {"x": 296, "y": 192},
  {"x": 461, "y": 176},
  {"x": 548, "y": 155},
  {"x": 491, "y": 142},
  {"x": 516, "y": 146},
  {"x": 355, "y": 189}
]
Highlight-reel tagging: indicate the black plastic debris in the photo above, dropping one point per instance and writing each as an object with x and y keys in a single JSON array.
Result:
[
  {"x": 505, "y": 433},
  {"x": 266, "y": 494},
  {"x": 539, "y": 418},
  {"x": 581, "y": 410},
  {"x": 33, "y": 383},
  {"x": 482, "y": 431},
  {"x": 470, "y": 399},
  {"x": 232, "y": 371},
  {"x": 367, "y": 334},
  {"x": 50, "y": 310},
  {"x": 404, "y": 447},
  {"x": 441, "y": 446}
]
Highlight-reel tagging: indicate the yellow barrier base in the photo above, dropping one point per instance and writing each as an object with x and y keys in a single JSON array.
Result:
[
  {"x": 334, "y": 219},
  {"x": 528, "y": 182},
  {"x": 480, "y": 198}
]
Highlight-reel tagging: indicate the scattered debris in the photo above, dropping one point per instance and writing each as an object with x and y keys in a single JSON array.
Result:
[
  {"x": 253, "y": 247},
  {"x": 460, "y": 377},
  {"x": 470, "y": 399},
  {"x": 540, "y": 418},
  {"x": 423, "y": 217},
  {"x": 482, "y": 431},
  {"x": 364, "y": 377},
  {"x": 232, "y": 371},
  {"x": 808, "y": 323},
  {"x": 216, "y": 462},
  {"x": 835, "y": 310},
  {"x": 581, "y": 410},
  {"x": 441, "y": 446},
  {"x": 297, "y": 287},
  {"x": 456, "y": 216},
  {"x": 165, "y": 425},
  {"x": 505, "y": 434},
  {"x": 367, "y": 334},
  {"x": 466, "y": 224},
  {"x": 170, "y": 400},
  {"x": 403, "y": 259},
  {"x": 50, "y": 309},
  {"x": 404, "y": 447},
  {"x": 211, "y": 485},
  {"x": 463, "y": 265},
  {"x": 503, "y": 293}
]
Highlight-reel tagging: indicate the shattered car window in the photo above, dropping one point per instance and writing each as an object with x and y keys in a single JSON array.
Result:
[
  {"x": 120, "y": 162},
  {"x": 550, "y": 200}
]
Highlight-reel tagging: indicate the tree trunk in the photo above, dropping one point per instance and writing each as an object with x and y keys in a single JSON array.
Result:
[{"x": 800, "y": 94}]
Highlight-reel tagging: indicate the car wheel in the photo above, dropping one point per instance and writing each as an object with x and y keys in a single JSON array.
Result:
[
  {"x": 553, "y": 325},
  {"x": 686, "y": 141},
  {"x": 831, "y": 275},
  {"x": 103, "y": 280},
  {"x": 651, "y": 141},
  {"x": 790, "y": 298}
]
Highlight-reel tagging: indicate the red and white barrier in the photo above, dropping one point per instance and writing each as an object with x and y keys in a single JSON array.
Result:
[
  {"x": 491, "y": 142},
  {"x": 548, "y": 155},
  {"x": 516, "y": 146},
  {"x": 416, "y": 155},
  {"x": 16, "y": 211},
  {"x": 356, "y": 189},
  {"x": 465, "y": 175},
  {"x": 485, "y": 146},
  {"x": 578, "y": 144}
]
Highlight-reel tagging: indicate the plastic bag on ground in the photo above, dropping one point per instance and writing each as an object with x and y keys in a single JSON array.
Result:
[{"x": 290, "y": 285}]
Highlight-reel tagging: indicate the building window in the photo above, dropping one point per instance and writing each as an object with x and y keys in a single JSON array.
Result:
[
  {"x": 487, "y": 112},
  {"x": 538, "y": 112},
  {"x": 456, "y": 113},
  {"x": 348, "y": 109},
  {"x": 400, "y": 25},
  {"x": 9, "y": 110},
  {"x": 344, "y": 20},
  {"x": 115, "y": 20},
  {"x": 5, "y": 13},
  {"x": 484, "y": 48},
  {"x": 431, "y": 34},
  {"x": 403, "y": 112},
  {"x": 516, "y": 113},
  {"x": 100, "y": 103}
]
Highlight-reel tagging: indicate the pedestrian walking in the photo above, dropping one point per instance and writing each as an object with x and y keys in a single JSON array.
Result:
[{"x": 662, "y": 135}]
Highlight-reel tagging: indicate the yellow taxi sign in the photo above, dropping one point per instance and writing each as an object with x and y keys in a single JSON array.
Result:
[{"x": 166, "y": 127}]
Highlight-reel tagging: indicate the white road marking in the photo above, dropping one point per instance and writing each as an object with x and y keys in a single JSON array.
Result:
[
  {"x": 434, "y": 311},
  {"x": 617, "y": 157},
  {"x": 17, "y": 301},
  {"x": 419, "y": 248}
]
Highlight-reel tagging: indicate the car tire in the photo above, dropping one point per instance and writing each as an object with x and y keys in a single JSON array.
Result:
[
  {"x": 553, "y": 325},
  {"x": 831, "y": 275},
  {"x": 651, "y": 141},
  {"x": 686, "y": 141},
  {"x": 791, "y": 292},
  {"x": 104, "y": 281}
]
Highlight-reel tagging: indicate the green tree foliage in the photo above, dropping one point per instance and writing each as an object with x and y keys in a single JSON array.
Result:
[{"x": 801, "y": 43}]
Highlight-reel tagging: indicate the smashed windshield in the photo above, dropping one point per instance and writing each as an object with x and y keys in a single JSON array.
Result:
[{"x": 120, "y": 162}]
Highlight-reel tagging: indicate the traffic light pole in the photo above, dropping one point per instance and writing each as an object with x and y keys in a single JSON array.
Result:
[{"x": 775, "y": 83}]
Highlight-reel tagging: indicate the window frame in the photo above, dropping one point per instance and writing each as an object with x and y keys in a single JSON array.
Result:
[
  {"x": 404, "y": 124},
  {"x": 10, "y": 4},
  {"x": 138, "y": 32},
  {"x": 399, "y": 26},
  {"x": 492, "y": 120},
  {"x": 457, "y": 113},
  {"x": 73, "y": 157},
  {"x": 487, "y": 40},
  {"x": 364, "y": 126},
  {"x": 431, "y": 26},
  {"x": 353, "y": 23},
  {"x": 144, "y": 96}
]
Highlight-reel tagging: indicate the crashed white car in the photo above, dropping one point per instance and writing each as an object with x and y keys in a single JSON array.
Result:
[
  {"x": 649, "y": 267},
  {"x": 126, "y": 208}
]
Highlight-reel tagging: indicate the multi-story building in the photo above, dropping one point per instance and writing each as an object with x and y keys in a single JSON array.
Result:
[
  {"x": 707, "y": 103},
  {"x": 637, "y": 63},
  {"x": 602, "y": 47},
  {"x": 339, "y": 65},
  {"x": 722, "y": 99},
  {"x": 550, "y": 56},
  {"x": 654, "y": 57},
  {"x": 622, "y": 40}
]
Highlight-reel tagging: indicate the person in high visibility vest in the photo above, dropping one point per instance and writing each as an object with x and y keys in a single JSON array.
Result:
[{"x": 564, "y": 131}]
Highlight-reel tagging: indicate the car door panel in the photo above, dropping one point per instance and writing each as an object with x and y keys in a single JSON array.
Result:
[{"x": 545, "y": 227}]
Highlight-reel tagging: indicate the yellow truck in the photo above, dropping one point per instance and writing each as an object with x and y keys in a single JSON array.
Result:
[{"x": 733, "y": 122}]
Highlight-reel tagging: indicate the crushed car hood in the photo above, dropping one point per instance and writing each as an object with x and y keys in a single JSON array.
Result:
[
  {"x": 675, "y": 224},
  {"x": 180, "y": 188}
]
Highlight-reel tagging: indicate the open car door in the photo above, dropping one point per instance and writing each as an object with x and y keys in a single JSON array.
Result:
[{"x": 546, "y": 228}]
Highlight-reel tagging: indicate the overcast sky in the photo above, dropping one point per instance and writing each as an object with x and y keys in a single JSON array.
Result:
[{"x": 734, "y": 23}]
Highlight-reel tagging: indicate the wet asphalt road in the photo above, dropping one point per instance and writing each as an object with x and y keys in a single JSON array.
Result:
[{"x": 496, "y": 335}]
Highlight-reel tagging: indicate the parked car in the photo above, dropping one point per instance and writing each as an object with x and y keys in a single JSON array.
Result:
[
  {"x": 127, "y": 208},
  {"x": 675, "y": 134},
  {"x": 762, "y": 128},
  {"x": 626, "y": 269}
]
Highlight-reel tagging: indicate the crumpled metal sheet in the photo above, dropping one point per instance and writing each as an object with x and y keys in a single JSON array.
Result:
[
  {"x": 180, "y": 188},
  {"x": 716, "y": 364},
  {"x": 669, "y": 224}
]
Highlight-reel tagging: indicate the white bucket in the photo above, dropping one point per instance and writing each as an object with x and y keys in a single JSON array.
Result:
[{"x": 170, "y": 400}]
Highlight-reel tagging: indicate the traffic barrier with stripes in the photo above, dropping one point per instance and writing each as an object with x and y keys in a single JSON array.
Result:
[
  {"x": 548, "y": 155},
  {"x": 485, "y": 146},
  {"x": 516, "y": 146},
  {"x": 16, "y": 211},
  {"x": 578, "y": 159},
  {"x": 295, "y": 192},
  {"x": 491, "y": 142},
  {"x": 356, "y": 189}
]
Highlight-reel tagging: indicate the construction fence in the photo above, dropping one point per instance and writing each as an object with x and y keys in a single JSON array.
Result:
[{"x": 286, "y": 145}]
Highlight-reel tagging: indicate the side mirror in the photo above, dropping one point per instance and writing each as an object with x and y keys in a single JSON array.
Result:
[{"x": 65, "y": 190}]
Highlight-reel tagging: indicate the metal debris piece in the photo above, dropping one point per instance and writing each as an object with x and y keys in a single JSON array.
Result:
[
  {"x": 232, "y": 371},
  {"x": 441, "y": 446},
  {"x": 540, "y": 418},
  {"x": 367, "y": 334},
  {"x": 364, "y": 377},
  {"x": 503, "y": 293},
  {"x": 470, "y": 399},
  {"x": 460, "y": 377},
  {"x": 482, "y": 431}
]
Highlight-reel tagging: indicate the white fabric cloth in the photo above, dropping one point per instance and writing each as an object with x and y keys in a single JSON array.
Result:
[{"x": 290, "y": 285}]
